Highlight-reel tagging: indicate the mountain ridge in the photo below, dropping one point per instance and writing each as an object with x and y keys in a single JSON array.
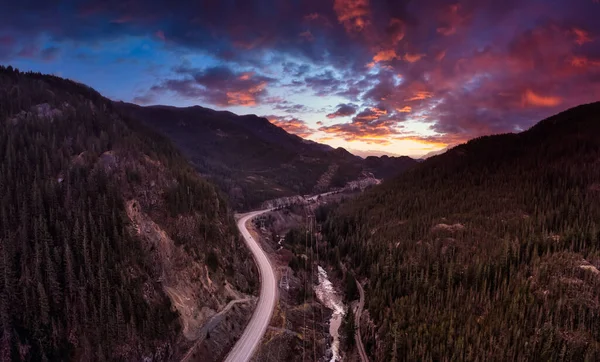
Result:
[
  {"x": 253, "y": 160},
  {"x": 112, "y": 246},
  {"x": 501, "y": 231}
]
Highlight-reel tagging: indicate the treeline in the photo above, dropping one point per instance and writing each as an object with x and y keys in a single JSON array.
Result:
[
  {"x": 75, "y": 284},
  {"x": 488, "y": 252}
]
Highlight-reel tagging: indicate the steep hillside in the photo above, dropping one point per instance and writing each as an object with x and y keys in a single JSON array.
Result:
[
  {"x": 487, "y": 252},
  {"x": 112, "y": 248},
  {"x": 251, "y": 159}
]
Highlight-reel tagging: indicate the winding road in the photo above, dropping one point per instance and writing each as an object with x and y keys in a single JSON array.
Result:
[
  {"x": 256, "y": 328},
  {"x": 359, "y": 308}
]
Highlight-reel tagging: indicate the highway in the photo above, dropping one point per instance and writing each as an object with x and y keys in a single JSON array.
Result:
[
  {"x": 359, "y": 308},
  {"x": 256, "y": 328}
]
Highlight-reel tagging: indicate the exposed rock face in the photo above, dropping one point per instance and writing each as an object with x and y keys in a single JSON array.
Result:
[
  {"x": 118, "y": 249},
  {"x": 43, "y": 111}
]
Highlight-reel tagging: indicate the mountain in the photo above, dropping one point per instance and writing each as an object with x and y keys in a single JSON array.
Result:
[
  {"x": 433, "y": 153},
  {"x": 249, "y": 158},
  {"x": 112, "y": 247},
  {"x": 385, "y": 167},
  {"x": 488, "y": 251}
]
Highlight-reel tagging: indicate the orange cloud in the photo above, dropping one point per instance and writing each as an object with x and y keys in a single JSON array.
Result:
[
  {"x": 352, "y": 132},
  {"x": 581, "y": 36},
  {"x": 583, "y": 62},
  {"x": 292, "y": 125},
  {"x": 405, "y": 109},
  {"x": 245, "y": 97},
  {"x": 385, "y": 55},
  {"x": 354, "y": 14},
  {"x": 531, "y": 98},
  {"x": 245, "y": 76},
  {"x": 370, "y": 126},
  {"x": 420, "y": 95},
  {"x": 436, "y": 142},
  {"x": 412, "y": 58}
]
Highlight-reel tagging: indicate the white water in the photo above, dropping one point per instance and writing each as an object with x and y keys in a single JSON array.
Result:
[{"x": 328, "y": 296}]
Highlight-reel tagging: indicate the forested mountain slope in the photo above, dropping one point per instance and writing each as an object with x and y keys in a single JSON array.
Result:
[
  {"x": 487, "y": 252},
  {"x": 253, "y": 160},
  {"x": 102, "y": 226}
]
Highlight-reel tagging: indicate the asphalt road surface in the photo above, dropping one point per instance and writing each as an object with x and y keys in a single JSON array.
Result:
[
  {"x": 359, "y": 308},
  {"x": 250, "y": 339}
]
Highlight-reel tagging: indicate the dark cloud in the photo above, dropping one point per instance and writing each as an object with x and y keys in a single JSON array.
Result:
[
  {"x": 49, "y": 53},
  {"x": 281, "y": 104},
  {"x": 219, "y": 86},
  {"x": 324, "y": 84},
  {"x": 295, "y": 70},
  {"x": 465, "y": 68},
  {"x": 343, "y": 110}
]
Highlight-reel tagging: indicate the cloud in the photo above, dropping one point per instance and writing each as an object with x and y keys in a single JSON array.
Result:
[
  {"x": 534, "y": 99},
  {"x": 354, "y": 14},
  {"x": 160, "y": 35},
  {"x": 29, "y": 51},
  {"x": 451, "y": 19},
  {"x": 295, "y": 70},
  {"x": 292, "y": 125},
  {"x": 412, "y": 58},
  {"x": 374, "y": 125},
  {"x": 343, "y": 111},
  {"x": 420, "y": 95},
  {"x": 324, "y": 84},
  {"x": 396, "y": 30},
  {"x": 385, "y": 55},
  {"x": 49, "y": 53},
  {"x": 460, "y": 69},
  {"x": 581, "y": 36},
  {"x": 218, "y": 86},
  {"x": 281, "y": 104}
]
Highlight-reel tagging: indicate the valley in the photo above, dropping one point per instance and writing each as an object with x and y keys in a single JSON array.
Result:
[
  {"x": 104, "y": 218},
  {"x": 299, "y": 181}
]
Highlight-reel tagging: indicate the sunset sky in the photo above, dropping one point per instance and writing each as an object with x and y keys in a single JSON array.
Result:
[{"x": 389, "y": 76}]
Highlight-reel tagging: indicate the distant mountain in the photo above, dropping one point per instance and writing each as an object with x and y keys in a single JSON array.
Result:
[
  {"x": 385, "y": 167},
  {"x": 433, "y": 153},
  {"x": 251, "y": 159},
  {"x": 111, "y": 246},
  {"x": 365, "y": 154},
  {"x": 489, "y": 251}
]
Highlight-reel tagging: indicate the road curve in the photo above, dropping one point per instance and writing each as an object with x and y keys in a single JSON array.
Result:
[
  {"x": 359, "y": 308},
  {"x": 256, "y": 328}
]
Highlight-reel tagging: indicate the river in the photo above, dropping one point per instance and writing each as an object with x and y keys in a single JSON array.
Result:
[{"x": 331, "y": 299}]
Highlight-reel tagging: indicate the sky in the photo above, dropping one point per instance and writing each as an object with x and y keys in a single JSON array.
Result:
[{"x": 396, "y": 77}]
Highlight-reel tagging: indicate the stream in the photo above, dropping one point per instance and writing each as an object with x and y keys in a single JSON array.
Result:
[{"x": 332, "y": 300}]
